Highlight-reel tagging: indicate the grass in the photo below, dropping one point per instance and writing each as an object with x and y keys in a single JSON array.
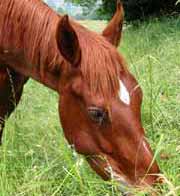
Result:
[{"x": 35, "y": 159}]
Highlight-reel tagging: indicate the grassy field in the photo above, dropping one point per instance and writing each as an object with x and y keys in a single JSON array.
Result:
[{"x": 35, "y": 159}]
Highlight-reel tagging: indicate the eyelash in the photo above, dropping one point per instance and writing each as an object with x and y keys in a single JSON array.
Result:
[{"x": 98, "y": 115}]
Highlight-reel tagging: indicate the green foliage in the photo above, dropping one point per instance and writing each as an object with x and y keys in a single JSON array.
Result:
[
  {"x": 134, "y": 9},
  {"x": 35, "y": 159},
  {"x": 86, "y": 5},
  {"x": 107, "y": 9},
  {"x": 103, "y": 11},
  {"x": 177, "y": 2},
  {"x": 60, "y": 10}
]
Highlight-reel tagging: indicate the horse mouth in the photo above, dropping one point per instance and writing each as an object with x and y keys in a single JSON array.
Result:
[
  {"x": 111, "y": 169},
  {"x": 128, "y": 188},
  {"x": 117, "y": 177}
]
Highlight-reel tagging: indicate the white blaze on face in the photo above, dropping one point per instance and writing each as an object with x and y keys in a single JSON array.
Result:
[{"x": 123, "y": 93}]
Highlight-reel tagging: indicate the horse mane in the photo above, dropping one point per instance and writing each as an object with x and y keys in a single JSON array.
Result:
[{"x": 30, "y": 25}]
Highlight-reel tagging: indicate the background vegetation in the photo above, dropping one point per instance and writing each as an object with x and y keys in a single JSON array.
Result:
[
  {"x": 134, "y": 9},
  {"x": 35, "y": 159}
]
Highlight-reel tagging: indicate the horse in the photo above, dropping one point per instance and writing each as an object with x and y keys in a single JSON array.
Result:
[{"x": 100, "y": 100}]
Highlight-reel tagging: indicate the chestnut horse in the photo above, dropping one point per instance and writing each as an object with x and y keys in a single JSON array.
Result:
[{"x": 100, "y": 99}]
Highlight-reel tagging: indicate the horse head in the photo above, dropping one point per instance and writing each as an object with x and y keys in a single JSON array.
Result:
[{"x": 100, "y": 104}]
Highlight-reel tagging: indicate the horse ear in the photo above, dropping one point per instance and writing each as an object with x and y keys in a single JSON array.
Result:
[
  {"x": 68, "y": 42},
  {"x": 114, "y": 29}
]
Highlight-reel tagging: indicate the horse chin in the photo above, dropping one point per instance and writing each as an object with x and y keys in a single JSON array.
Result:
[
  {"x": 126, "y": 184},
  {"x": 126, "y": 187}
]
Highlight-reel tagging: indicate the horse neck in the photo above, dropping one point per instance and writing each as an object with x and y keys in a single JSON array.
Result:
[{"x": 27, "y": 34}]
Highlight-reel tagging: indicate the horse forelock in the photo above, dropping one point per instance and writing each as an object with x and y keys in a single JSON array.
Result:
[{"x": 100, "y": 64}]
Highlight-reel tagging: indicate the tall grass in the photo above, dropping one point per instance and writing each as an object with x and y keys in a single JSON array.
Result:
[{"x": 35, "y": 158}]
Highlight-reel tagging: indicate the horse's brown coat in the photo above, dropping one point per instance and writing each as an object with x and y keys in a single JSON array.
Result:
[{"x": 85, "y": 69}]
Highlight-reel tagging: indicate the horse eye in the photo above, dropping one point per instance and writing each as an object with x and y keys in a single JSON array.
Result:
[{"x": 98, "y": 115}]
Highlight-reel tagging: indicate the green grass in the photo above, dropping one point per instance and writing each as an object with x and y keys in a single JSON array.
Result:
[{"x": 35, "y": 159}]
